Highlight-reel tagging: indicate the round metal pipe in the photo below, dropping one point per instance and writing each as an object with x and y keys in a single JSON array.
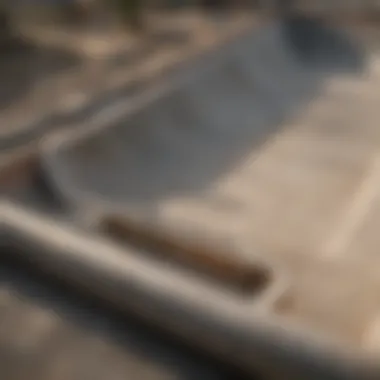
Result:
[{"x": 228, "y": 326}]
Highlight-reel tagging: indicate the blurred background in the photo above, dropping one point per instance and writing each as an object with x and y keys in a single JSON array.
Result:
[
  {"x": 60, "y": 61},
  {"x": 59, "y": 55}
]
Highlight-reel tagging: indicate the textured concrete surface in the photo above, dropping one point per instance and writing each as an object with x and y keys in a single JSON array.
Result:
[
  {"x": 260, "y": 152},
  {"x": 48, "y": 333},
  {"x": 263, "y": 151}
]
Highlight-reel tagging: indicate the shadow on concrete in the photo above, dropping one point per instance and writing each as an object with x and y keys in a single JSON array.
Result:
[
  {"x": 92, "y": 342},
  {"x": 316, "y": 43}
]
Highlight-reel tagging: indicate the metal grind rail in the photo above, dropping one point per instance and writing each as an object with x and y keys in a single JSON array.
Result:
[
  {"x": 228, "y": 326},
  {"x": 162, "y": 206}
]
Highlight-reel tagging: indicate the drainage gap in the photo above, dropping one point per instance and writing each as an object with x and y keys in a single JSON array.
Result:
[{"x": 202, "y": 261}]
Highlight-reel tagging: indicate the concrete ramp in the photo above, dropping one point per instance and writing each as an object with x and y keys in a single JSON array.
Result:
[
  {"x": 260, "y": 152},
  {"x": 204, "y": 122}
]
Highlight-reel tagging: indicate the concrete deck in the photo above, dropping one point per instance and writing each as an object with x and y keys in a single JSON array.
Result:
[{"x": 264, "y": 154}]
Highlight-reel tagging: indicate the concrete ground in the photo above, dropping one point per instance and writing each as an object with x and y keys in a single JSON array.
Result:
[
  {"x": 267, "y": 155},
  {"x": 45, "y": 331},
  {"x": 264, "y": 155}
]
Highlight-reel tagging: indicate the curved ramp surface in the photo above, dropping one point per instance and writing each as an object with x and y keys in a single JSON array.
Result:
[
  {"x": 259, "y": 149},
  {"x": 206, "y": 122}
]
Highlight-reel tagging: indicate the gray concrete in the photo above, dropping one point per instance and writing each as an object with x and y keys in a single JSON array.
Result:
[
  {"x": 270, "y": 150},
  {"x": 261, "y": 150}
]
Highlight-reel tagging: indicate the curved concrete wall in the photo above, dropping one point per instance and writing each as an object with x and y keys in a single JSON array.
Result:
[
  {"x": 204, "y": 122},
  {"x": 218, "y": 159}
]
